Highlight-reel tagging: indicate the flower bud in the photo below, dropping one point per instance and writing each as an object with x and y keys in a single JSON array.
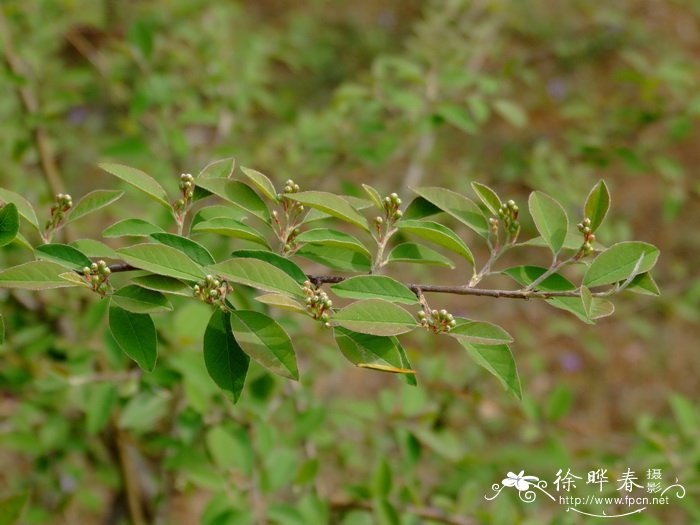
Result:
[
  {"x": 586, "y": 221},
  {"x": 189, "y": 194},
  {"x": 326, "y": 325},
  {"x": 398, "y": 214},
  {"x": 86, "y": 270},
  {"x": 325, "y": 317}
]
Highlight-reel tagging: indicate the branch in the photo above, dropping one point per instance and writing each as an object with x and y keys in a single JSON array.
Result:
[
  {"x": 30, "y": 106},
  {"x": 429, "y": 288}
]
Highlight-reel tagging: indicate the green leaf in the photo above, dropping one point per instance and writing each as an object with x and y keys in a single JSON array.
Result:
[
  {"x": 282, "y": 301},
  {"x": 619, "y": 262},
  {"x": 100, "y": 399},
  {"x": 261, "y": 182},
  {"x": 336, "y": 258},
  {"x": 131, "y": 228},
  {"x": 374, "y": 196},
  {"x": 382, "y": 480},
  {"x": 489, "y": 197},
  {"x": 458, "y": 116},
  {"x": 192, "y": 249},
  {"x": 572, "y": 241},
  {"x": 420, "y": 208},
  {"x": 438, "y": 234},
  {"x": 230, "y": 228},
  {"x": 418, "y": 254},
  {"x": 163, "y": 283},
  {"x": 64, "y": 255},
  {"x": 376, "y": 317},
  {"x": 511, "y": 112},
  {"x": 371, "y": 351},
  {"x": 374, "y": 287},
  {"x": 460, "y": 207},
  {"x": 239, "y": 194},
  {"x": 23, "y": 207},
  {"x": 136, "y": 336},
  {"x": 332, "y": 205},
  {"x": 139, "y": 180},
  {"x": 141, "y": 300},
  {"x": 280, "y": 262},
  {"x": 586, "y": 301},
  {"x": 75, "y": 279},
  {"x": 258, "y": 274},
  {"x": 223, "y": 168},
  {"x": 226, "y": 361},
  {"x": 163, "y": 260},
  {"x": 93, "y": 201},
  {"x": 11, "y": 508},
  {"x": 34, "y": 275},
  {"x": 93, "y": 248},
  {"x": 327, "y": 237},
  {"x": 644, "y": 284},
  {"x": 498, "y": 360},
  {"x": 217, "y": 212},
  {"x": 9, "y": 223},
  {"x": 550, "y": 219},
  {"x": 480, "y": 332},
  {"x": 597, "y": 204},
  {"x": 263, "y": 339}
]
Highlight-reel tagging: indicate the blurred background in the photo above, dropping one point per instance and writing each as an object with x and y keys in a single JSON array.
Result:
[{"x": 521, "y": 95}]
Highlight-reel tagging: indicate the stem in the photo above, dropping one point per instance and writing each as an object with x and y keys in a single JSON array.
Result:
[
  {"x": 381, "y": 247},
  {"x": 552, "y": 269},
  {"x": 486, "y": 270},
  {"x": 131, "y": 484}
]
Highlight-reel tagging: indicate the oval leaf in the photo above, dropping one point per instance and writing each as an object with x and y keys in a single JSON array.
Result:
[
  {"x": 597, "y": 204},
  {"x": 489, "y": 197},
  {"x": 480, "y": 332},
  {"x": 141, "y": 300},
  {"x": 498, "y": 360},
  {"x": 261, "y": 182},
  {"x": 163, "y": 283},
  {"x": 418, "y": 254},
  {"x": 136, "y": 336},
  {"x": 9, "y": 223},
  {"x": 282, "y": 301},
  {"x": 230, "y": 228},
  {"x": 238, "y": 194},
  {"x": 438, "y": 234},
  {"x": 163, "y": 260},
  {"x": 460, "y": 207},
  {"x": 328, "y": 237},
  {"x": 258, "y": 274},
  {"x": 93, "y": 201},
  {"x": 192, "y": 249},
  {"x": 550, "y": 219},
  {"x": 226, "y": 361},
  {"x": 219, "y": 168},
  {"x": 131, "y": 228},
  {"x": 376, "y": 317},
  {"x": 23, "y": 206},
  {"x": 336, "y": 258},
  {"x": 34, "y": 275},
  {"x": 332, "y": 205},
  {"x": 375, "y": 287},
  {"x": 371, "y": 351},
  {"x": 139, "y": 180},
  {"x": 263, "y": 339},
  {"x": 64, "y": 255},
  {"x": 620, "y": 262},
  {"x": 280, "y": 262}
]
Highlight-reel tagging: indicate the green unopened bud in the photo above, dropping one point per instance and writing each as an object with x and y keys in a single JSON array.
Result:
[
  {"x": 329, "y": 303},
  {"x": 189, "y": 194},
  {"x": 214, "y": 293},
  {"x": 326, "y": 325},
  {"x": 295, "y": 187},
  {"x": 398, "y": 214},
  {"x": 325, "y": 317},
  {"x": 586, "y": 221},
  {"x": 421, "y": 314},
  {"x": 93, "y": 267},
  {"x": 86, "y": 270},
  {"x": 453, "y": 323},
  {"x": 511, "y": 204}
]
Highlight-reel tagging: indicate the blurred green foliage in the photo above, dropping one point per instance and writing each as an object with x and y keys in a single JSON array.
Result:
[{"x": 518, "y": 94}]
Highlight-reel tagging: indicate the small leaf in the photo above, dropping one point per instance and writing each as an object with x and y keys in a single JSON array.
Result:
[
  {"x": 9, "y": 223},
  {"x": 136, "y": 336},
  {"x": 226, "y": 361},
  {"x": 163, "y": 260},
  {"x": 621, "y": 261},
  {"x": 644, "y": 284},
  {"x": 489, "y": 197},
  {"x": 498, "y": 360},
  {"x": 238, "y": 194},
  {"x": 376, "y": 317},
  {"x": 230, "y": 228},
  {"x": 374, "y": 287},
  {"x": 597, "y": 204},
  {"x": 131, "y": 228},
  {"x": 336, "y": 258},
  {"x": 263, "y": 339},
  {"x": 332, "y": 205},
  {"x": 374, "y": 196},
  {"x": 460, "y": 207},
  {"x": 139, "y": 180},
  {"x": 511, "y": 112},
  {"x": 550, "y": 219},
  {"x": 93, "y": 248},
  {"x": 163, "y": 283},
  {"x": 480, "y": 332},
  {"x": 192, "y": 249},
  {"x": 438, "y": 234},
  {"x": 11, "y": 508},
  {"x": 141, "y": 300},
  {"x": 93, "y": 201},
  {"x": 222, "y": 168},
  {"x": 282, "y": 301},
  {"x": 258, "y": 274},
  {"x": 64, "y": 255},
  {"x": 34, "y": 275},
  {"x": 24, "y": 208},
  {"x": 371, "y": 351},
  {"x": 328, "y": 237},
  {"x": 586, "y": 301},
  {"x": 261, "y": 182},
  {"x": 418, "y": 254},
  {"x": 458, "y": 116},
  {"x": 280, "y": 262}
]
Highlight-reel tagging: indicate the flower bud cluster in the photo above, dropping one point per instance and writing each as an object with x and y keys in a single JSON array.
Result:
[
  {"x": 588, "y": 237},
  {"x": 97, "y": 276},
  {"x": 392, "y": 213},
  {"x": 63, "y": 203},
  {"x": 290, "y": 206},
  {"x": 437, "y": 321},
  {"x": 318, "y": 304},
  {"x": 212, "y": 291},
  {"x": 508, "y": 213},
  {"x": 186, "y": 192},
  {"x": 290, "y": 245}
]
